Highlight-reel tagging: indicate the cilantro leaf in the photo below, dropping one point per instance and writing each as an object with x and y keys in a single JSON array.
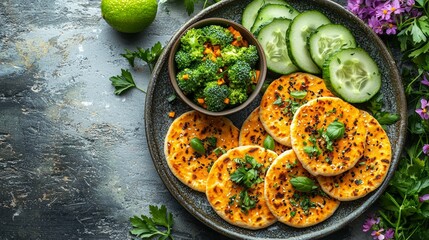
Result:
[{"x": 159, "y": 224}]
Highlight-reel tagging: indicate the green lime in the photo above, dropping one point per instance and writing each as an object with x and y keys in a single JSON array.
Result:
[{"x": 129, "y": 16}]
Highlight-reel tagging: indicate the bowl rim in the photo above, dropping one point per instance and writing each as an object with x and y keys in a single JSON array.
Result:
[{"x": 262, "y": 65}]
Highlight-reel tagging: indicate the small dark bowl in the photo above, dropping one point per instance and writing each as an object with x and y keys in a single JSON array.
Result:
[{"x": 262, "y": 65}]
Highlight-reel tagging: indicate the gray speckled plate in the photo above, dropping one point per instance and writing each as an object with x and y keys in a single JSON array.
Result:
[{"x": 157, "y": 123}]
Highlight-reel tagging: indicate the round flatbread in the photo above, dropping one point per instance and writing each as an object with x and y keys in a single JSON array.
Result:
[
  {"x": 187, "y": 165},
  {"x": 281, "y": 99},
  {"x": 311, "y": 128},
  {"x": 253, "y": 133},
  {"x": 231, "y": 200},
  {"x": 370, "y": 170},
  {"x": 292, "y": 207}
]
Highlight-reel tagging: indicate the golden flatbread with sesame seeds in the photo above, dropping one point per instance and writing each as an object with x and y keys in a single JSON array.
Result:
[
  {"x": 370, "y": 170},
  {"x": 253, "y": 133},
  {"x": 309, "y": 128},
  {"x": 281, "y": 99},
  {"x": 290, "y": 206},
  {"x": 227, "y": 197},
  {"x": 189, "y": 166}
]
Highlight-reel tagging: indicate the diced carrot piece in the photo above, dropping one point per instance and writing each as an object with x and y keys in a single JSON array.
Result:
[
  {"x": 220, "y": 81},
  {"x": 255, "y": 76},
  {"x": 185, "y": 76},
  {"x": 235, "y": 43},
  {"x": 208, "y": 51},
  {"x": 200, "y": 100},
  {"x": 226, "y": 100},
  {"x": 171, "y": 114}
]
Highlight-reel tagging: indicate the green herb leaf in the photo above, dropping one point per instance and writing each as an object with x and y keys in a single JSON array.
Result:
[
  {"x": 335, "y": 130},
  {"x": 150, "y": 56},
  {"x": 385, "y": 118},
  {"x": 269, "y": 142},
  {"x": 197, "y": 145},
  {"x": 122, "y": 82},
  {"x": 303, "y": 184},
  {"x": 298, "y": 94},
  {"x": 158, "y": 225},
  {"x": 247, "y": 202}
]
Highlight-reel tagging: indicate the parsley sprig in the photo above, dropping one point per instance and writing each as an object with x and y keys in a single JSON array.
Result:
[
  {"x": 149, "y": 55},
  {"x": 158, "y": 225},
  {"x": 125, "y": 81}
]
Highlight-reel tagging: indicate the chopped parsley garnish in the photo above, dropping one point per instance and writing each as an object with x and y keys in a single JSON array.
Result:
[{"x": 246, "y": 175}]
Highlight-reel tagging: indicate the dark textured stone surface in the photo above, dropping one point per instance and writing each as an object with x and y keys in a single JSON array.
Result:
[{"x": 74, "y": 158}]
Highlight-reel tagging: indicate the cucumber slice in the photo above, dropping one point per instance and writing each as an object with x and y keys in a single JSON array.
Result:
[
  {"x": 352, "y": 74},
  {"x": 270, "y": 11},
  {"x": 272, "y": 39},
  {"x": 299, "y": 31},
  {"x": 251, "y": 11},
  {"x": 328, "y": 39}
]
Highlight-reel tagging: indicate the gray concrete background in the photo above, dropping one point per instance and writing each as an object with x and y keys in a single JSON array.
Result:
[{"x": 74, "y": 161}]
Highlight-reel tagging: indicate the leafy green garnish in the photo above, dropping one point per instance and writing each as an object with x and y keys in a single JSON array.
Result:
[
  {"x": 269, "y": 142},
  {"x": 246, "y": 175},
  {"x": 158, "y": 225},
  {"x": 149, "y": 55},
  {"x": 375, "y": 105},
  {"x": 303, "y": 184},
  {"x": 335, "y": 130},
  {"x": 123, "y": 82},
  {"x": 298, "y": 94}
]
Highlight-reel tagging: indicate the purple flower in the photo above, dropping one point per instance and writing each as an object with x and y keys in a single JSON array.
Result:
[
  {"x": 390, "y": 233},
  {"x": 378, "y": 235},
  {"x": 425, "y": 80},
  {"x": 426, "y": 149},
  {"x": 375, "y": 24},
  {"x": 424, "y": 198},
  {"x": 369, "y": 223},
  {"x": 383, "y": 11},
  {"x": 396, "y": 8},
  {"x": 391, "y": 29},
  {"x": 423, "y": 110}
]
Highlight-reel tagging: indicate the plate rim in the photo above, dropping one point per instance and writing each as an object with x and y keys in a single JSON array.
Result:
[{"x": 232, "y": 234}]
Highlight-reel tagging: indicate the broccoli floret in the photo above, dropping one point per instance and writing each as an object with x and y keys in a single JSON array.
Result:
[
  {"x": 249, "y": 55},
  {"x": 239, "y": 74},
  {"x": 192, "y": 43},
  {"x": 183, "y": 59},
  {"x": 207, "y": 70},
  {"x": 232, "y": 54},
  {"x": 215, "y": 96},
  {"x": 193, "y": 38},
  {"x": 187, "y": 81},
  {"x": 237, "y": 96},
  {"x": 218, "y": 35}
]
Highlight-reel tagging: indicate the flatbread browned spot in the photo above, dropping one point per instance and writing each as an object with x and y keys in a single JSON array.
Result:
[
  {"x": 291, "y": 207},
  {"x": 370, "y": 170},
  {"x": 311, "y": 146},
  {"x": 224, "y": 195},
  {"x": 187, "y": 165},
  {"x": 281, "y": 99},
  {"x": 253, "y": 133}
]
